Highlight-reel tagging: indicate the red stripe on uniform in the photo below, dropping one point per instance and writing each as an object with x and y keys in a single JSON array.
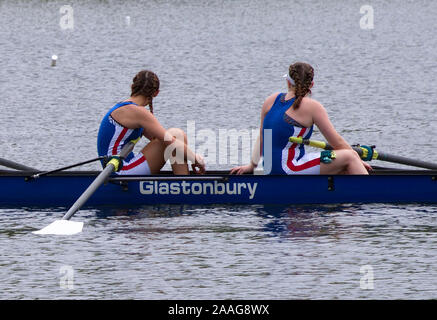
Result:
[
  {"x": 309, "y": 164},
  {"x": 134, "y": 164},
  {"x": 291, "y": 154},
  {"x": 117, "y": 142}
]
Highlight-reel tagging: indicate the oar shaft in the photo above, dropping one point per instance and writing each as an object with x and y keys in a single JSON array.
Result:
[
  {"x": 321, "y": 144},
  {"x": 89, "y": 191},
  {"x": 110, "y": 167},
  {"x": 312, "y": 143},
  {"x": 376, "y": 155},
  {"x": 15, "y": 165},
  {"x": 37, "y": 175},
  {"x": 402, "y": 160}
]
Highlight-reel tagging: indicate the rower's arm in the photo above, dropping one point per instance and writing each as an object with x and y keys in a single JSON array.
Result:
[
  {"x": 147, "y": 135},
  {"x": 321, "y": 119},
  {"x": 140, "y": 117},
  {"x": 256, "y": 152},
  {"x": 257, "y": 148}
]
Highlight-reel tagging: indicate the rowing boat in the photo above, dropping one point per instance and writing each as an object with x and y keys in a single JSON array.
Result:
[
  {"x": 18, "y": 188},
  {"x": 26, "y": 186}
]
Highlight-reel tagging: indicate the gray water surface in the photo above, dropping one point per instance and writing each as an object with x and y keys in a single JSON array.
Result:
[{"x": 217, "y": 61}]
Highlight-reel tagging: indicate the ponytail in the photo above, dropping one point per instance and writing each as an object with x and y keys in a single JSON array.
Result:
[{"x": 303, "y": 75}]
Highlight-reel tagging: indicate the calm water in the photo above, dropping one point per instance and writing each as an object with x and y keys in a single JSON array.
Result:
[{"x": 217, "y": 61}]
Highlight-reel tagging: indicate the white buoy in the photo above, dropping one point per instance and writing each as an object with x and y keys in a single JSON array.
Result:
[
  {"x": 127, "y": 21},
  {"x": 54, "y": 59}
]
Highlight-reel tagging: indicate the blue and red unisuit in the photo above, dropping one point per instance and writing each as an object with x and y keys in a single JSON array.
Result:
[
  {"x": 113, "y": 136},
  {"x": 288, "y": 157}
]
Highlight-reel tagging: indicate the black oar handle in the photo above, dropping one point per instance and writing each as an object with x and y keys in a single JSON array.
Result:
[{"x": 41, "y": 174}]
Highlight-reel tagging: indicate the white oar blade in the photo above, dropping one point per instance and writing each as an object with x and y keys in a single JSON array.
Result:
[{"x": 62, "y": 227}]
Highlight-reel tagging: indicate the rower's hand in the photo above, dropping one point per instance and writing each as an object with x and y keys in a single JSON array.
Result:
[
  {"x": 242, "y": 169},
  {"x": 199, "y": 164},
  {"x": 367, "y": 166}
]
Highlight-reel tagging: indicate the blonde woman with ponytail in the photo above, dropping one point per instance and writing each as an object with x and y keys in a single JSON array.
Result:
[
  {"x": 130, "y": 119},
  {"x": 294, "y": 113}
]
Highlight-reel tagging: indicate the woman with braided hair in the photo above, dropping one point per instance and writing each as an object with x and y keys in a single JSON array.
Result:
[
  {"x": 129, "y": 120},
  {"x": 294, "y": 114}
]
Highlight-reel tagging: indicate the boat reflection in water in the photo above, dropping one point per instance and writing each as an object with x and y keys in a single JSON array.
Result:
[
  {"x": 303, "y": 221},
  {"x": 279, "y": 220}
]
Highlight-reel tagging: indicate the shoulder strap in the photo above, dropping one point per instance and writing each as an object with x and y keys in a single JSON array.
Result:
[{"x": 121, "y": 104}]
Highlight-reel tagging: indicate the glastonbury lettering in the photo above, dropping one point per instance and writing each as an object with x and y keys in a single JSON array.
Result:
[{"x": 196, "y": 188}]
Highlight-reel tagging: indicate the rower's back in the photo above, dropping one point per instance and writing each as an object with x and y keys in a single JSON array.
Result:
[{"x": 287, "y": 157}]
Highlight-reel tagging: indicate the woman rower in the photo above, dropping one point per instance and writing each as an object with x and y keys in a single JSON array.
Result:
[
  {"x": 129, "y": 120},
  {"x": 294, "y": 114}
]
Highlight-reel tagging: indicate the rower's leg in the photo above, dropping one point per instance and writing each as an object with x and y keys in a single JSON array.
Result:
[
  {"x": 346, "y": 162},
  {"x": 180, "y": 166},
  {"x": 154, "y": 152}
]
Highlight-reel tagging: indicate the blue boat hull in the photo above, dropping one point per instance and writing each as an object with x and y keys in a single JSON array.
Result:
[{"x": 219, "y": 188}]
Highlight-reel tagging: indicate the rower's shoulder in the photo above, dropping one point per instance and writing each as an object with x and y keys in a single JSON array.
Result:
[
  {"x": 271, "y": 98},
  {"x": 269, "y": 101},
  {"x": 133, "y": 113},
  {"x": 311, "y": 103}
]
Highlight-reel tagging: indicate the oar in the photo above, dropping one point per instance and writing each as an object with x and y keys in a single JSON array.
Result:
[
  {"x": 66, "y": 227},
  {"x": 368, "y": 153},
  {"x": 15, "y": 165},
  {"x": 45, "y": 173}
]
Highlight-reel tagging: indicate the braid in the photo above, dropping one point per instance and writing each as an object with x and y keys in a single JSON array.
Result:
[
  {"x": 145, "y": 83},
  {"x": 303, "y": 75}
]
